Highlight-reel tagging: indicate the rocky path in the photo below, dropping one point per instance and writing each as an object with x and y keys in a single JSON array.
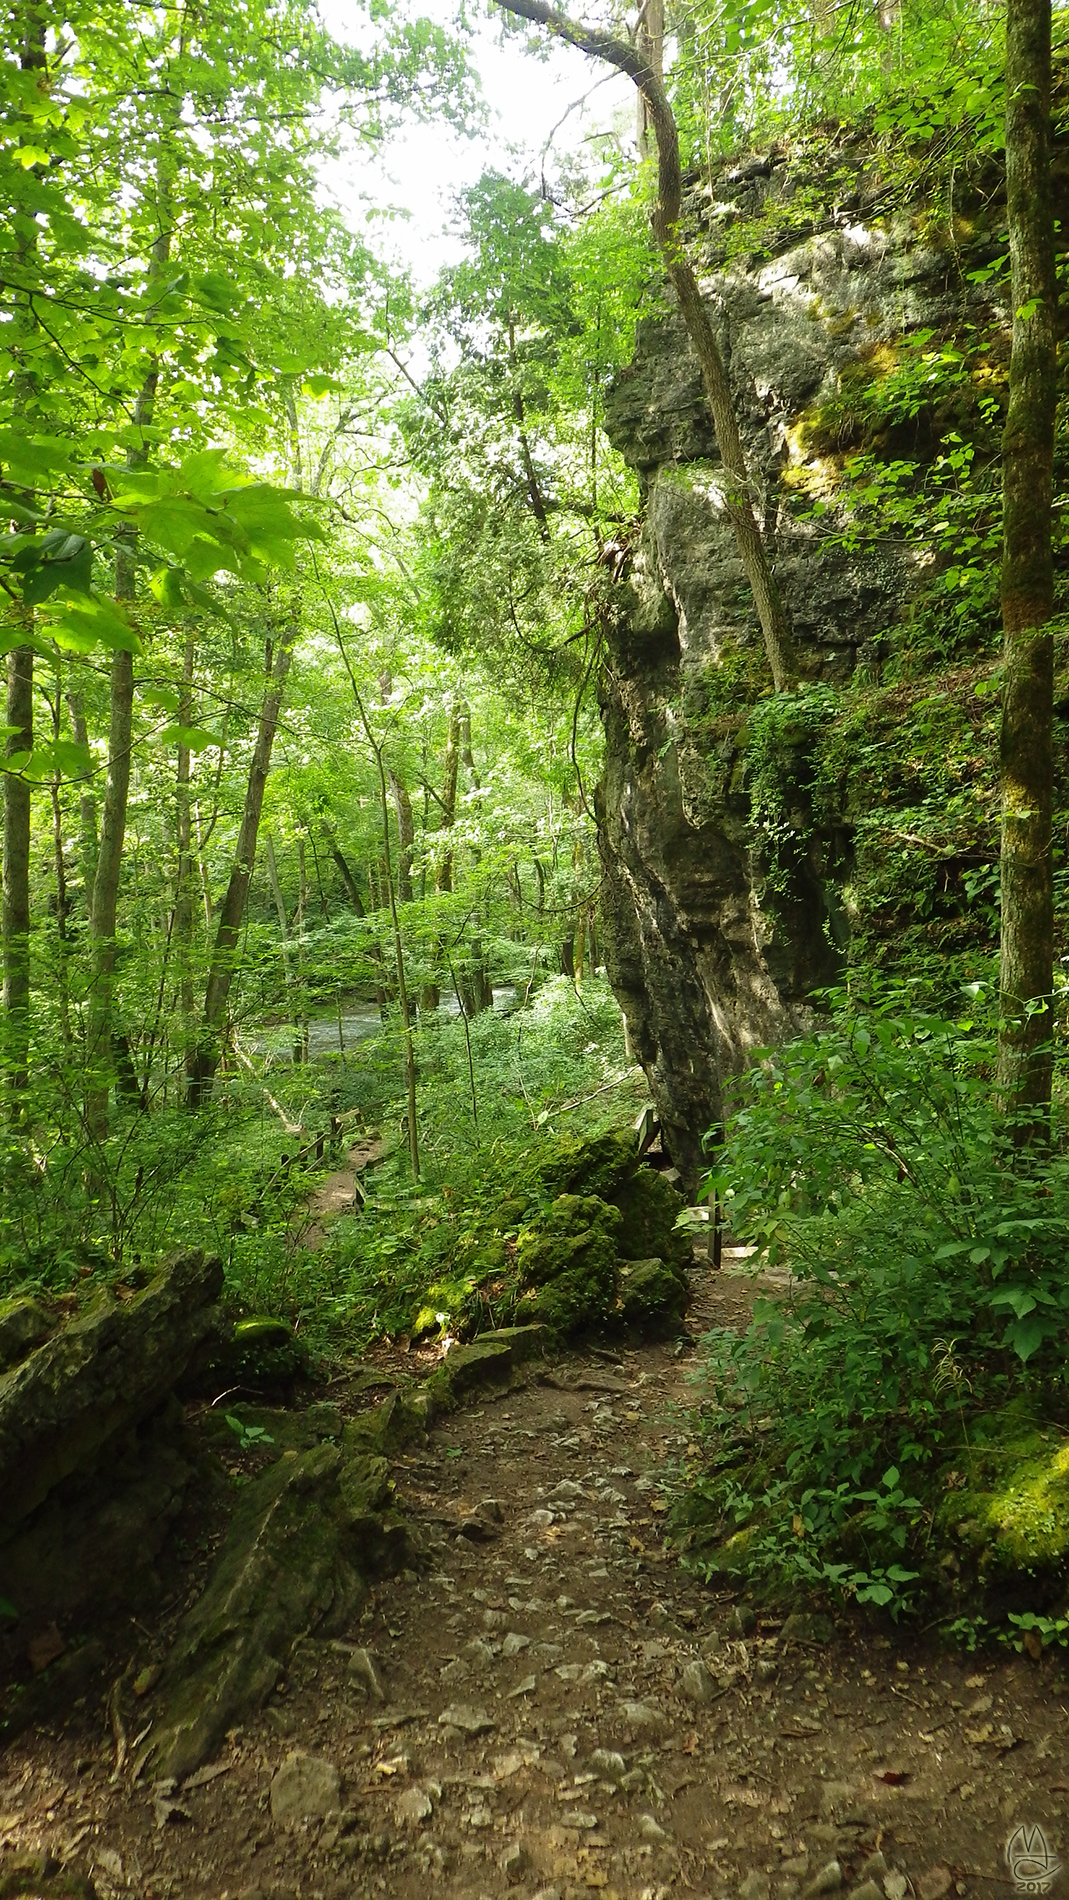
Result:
[{"x": 549, "y": 1707}]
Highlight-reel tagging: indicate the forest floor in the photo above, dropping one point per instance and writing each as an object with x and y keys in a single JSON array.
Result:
[{"x": 548, "y": 1705}]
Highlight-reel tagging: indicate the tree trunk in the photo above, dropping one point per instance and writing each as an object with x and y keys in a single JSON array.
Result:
[
  {"x": 649, "y": 43},
  {"x": 19, "y": 696},
  {"x": 104, "y": 905},
  {"x": 738, "y": 505},
  {"x": 447, "y": 803},
  {"x": 105, "y": 900},
  {"x": 352, "y": 891},
  {"x": 411, "y": 1116},
  {"x": 87, "y": 809},
  {"x": 302, "y": 969},
  {"x": 204, "y": 1063},
  {"x": 185, "y": 865},
  {"x": 1026, "y": 975},
  {"x": 292, "y": 996},
  {"x": 448, "y": 800},
  {"x": 478, "y": 993},
  {"x": 16, "y": 907},
  {"x": 406, "y": 836}
]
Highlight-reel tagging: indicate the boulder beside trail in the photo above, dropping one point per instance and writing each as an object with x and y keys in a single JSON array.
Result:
[
  {"x": 99, "y": 1375},
  {"x": 304, "y": 1539}
]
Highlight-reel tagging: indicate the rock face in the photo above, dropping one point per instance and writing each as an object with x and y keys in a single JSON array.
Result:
[{"x": 707, "y": 958}]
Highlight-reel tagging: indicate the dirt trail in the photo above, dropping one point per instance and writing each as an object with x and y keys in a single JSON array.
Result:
[{"x": 551, "y": 1707}]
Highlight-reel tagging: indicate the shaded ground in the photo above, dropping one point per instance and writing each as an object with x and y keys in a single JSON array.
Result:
[{"x": 549, "y": 1706}]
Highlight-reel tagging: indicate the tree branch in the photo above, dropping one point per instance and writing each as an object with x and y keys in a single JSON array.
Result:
[{"x": 665, "y": 219}]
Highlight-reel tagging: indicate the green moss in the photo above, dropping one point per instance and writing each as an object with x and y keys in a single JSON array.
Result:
[
  {"x": 1014, "y": 1513},
  {"x": 650, "y": 1206},
  {"x": 567, "y": 1264},
  {"x": 600, "y": 1166},
  {"x": 653, "y": 1295},
  {"x": 550, "y": 1249},
  {"x": 261, "y": 1351}
]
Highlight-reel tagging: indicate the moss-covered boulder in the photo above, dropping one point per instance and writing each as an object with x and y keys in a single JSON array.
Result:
[
  {"x": 653, "y": 1295},
  {"x": 551, "y": 1249},
  {"x": 24, "y": 1323},
  {"x": 256, "y": 1351},
  {"x": 649, "y": 1208},
  {"x": 490, "y": 1363},
  {"x": 600, "y": 1164},
  {"x": 96, "y": 1378},
  {"x": 567, "y": 1264},
  {"x": 1005, "y": 1510}
]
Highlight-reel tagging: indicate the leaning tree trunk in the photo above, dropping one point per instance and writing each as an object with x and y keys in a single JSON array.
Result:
[
  {"x": 103, "y": 908},
  {"x": 1026, "y": 976},
  {"x": 667, "y": 229},
  {"x": 205, "y": 1057},
  {"x": 19, "y": 696},
  {"x": 406, "y": 835}
]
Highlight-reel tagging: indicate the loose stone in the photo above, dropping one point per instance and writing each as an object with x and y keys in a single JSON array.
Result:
[
  {"x": 470, "y": 1721},
  {"x": 829, "y": 1879},
  {"x": 697, "y": 1684},
  {"x": 306, "y": 1788}
]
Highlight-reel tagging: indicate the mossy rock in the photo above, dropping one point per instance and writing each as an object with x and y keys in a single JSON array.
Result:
[
  {"x": 38, "y": 1876},
  {"x": 385, "y": 1427},
  {"x": 274, "y": 1430},
  {"x": 568, "y": 1272},
  {"x": 601, "y": 1166},
  {"x": 653, "y": 1295},
  {"x": 261, "y": 1351},
  {"x": 24, "y": 1323},
  {"x": 1013, "y": 1513},
  {"x": 488, "y": 1362},
  {"x": 650, "y": 1207}
]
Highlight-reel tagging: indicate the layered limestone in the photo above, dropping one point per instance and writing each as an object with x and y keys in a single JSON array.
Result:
[{"x": 709, "y": 960}]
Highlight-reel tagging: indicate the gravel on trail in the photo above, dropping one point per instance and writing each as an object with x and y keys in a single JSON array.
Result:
[{"x": 550, "y": 1707}]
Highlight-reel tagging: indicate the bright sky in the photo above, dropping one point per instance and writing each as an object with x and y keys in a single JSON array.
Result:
[{"x": 526, "y": 97}]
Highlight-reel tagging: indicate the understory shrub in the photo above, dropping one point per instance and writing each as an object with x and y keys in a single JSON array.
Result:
[{"x": 927, "y": 1290}]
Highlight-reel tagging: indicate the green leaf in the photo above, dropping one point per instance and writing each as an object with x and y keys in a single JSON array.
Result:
[
  {"x": 31, "y": 461},
  {"x": 880, "y": 1593},
  {"x": 1027, "y": 1335},
  {"x": 7, "y": 1608},
  {"x": 45, "y": 761},
  {"x": 72, "y": 760},
  {"x": 62, "y": 560},
  {"x": 194, "y": 738},
  {"x": 78, "y": 628}
]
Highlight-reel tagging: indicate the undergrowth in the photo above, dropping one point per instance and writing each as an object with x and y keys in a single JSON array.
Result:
[
  {"x": 496, "y": 1095},
  {"x": 919, "y": 1346}
]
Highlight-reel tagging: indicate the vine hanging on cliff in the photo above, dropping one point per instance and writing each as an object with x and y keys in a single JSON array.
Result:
[{"x": 667, "y": 229}]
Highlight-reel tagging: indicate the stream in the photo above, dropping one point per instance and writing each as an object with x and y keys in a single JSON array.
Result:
[{"x": 336, "y": 1035}]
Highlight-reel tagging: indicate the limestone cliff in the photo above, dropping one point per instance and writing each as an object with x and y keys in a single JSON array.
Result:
[{"x": 711, "y": 953}]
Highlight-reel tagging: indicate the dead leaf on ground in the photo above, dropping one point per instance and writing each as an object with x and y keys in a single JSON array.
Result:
[
  {"x": 935, "y": 1883},
  {"x": 203, "y": 1775},
  {"x": 894, "y": 1777}
]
